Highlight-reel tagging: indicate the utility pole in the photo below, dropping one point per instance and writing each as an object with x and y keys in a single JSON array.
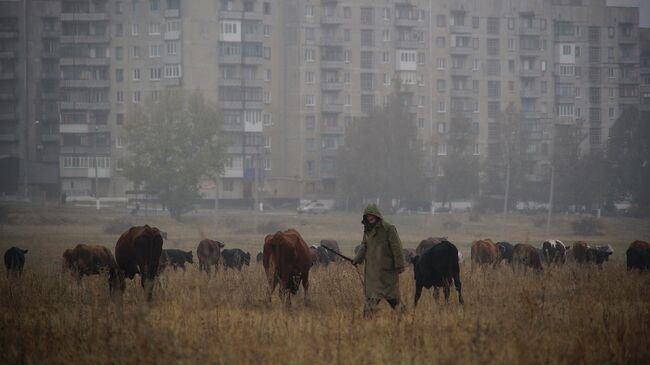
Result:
[{"x": 550, "y": 201}]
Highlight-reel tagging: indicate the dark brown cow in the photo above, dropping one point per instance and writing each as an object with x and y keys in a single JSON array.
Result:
[
  {"x": 287, "y": 260},
  {"x": 554, "y": 251},
  {"x": 138, "y": 252},
  {"x": 426, "y": 244},
  {"x": 484, "y": 252},
  {"x": 409, "y": 254},
  {"x": 526, "y": 256},
  {"x": 638, "y": 256},
  {"x": 86, "y": 260},
  {"x": 15, "y": 261},
  {"x": 332, "y": 245},
  {"x": 209, "y": 254},
  {"x": 580, "y": 252}
]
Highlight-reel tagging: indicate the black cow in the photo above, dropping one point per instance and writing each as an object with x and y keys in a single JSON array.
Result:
[
  {"x": 505, "y": 251},
  {"x": 436, "y": 268},
  {"x": 15, "y": 260},
  {"x": 599, "y": 254},
  {"x": 321, "y": 256},
  {"x": 638, "y": 256},
  {"x": 260, "y": 257},
  {"x": 235, "y": 258},
  {"x": 176, "y": 258}
]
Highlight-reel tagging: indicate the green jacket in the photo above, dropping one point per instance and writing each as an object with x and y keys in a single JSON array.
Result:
[{"x": 381, "y": 250}]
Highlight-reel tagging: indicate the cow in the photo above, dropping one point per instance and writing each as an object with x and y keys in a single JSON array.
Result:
[
  {"x": 138, "y": 251},
  {"x": 484, "y": 252},
  {"x": 86, "y": 260},
  {"x": 504, "y": 252},
  {"x": 260, "y": 256},
  {"x": 322, "y": 256},
  {"x": 580, "y": 251},
  {"x": 15, "y": 261},
  {"x": 526, "y": 256},
  {"x": 334, "y": 246},
  {"x": 437, "y": 267},
  {"x": 286, "y": 261},
  {"x": 427, "y": 243},
  {"x": 209, "y": 254},
  {"x": 235, "y": 258},
  {"x": 175, "y": 258},
  {"x": 638, "y": 256},
  {"x": 554, "y": 252},
  {"x": 600, "y": 254},
  {"x": 409, "y": 254}
]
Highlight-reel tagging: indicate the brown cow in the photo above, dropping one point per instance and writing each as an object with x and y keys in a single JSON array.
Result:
[
  {"x": 138, "y": 252},
  {"x": 526, "y": 256},
  {"x": 484, "y": 252},
  {"x": 287, "y": 260},
  {"x": 638, "y": 256},
  {"x": 580, "y": 252},
  {"x": 428, "y": 243},
  {"x": 209, "y": 253},
  {"x": 86, "y": 260}
]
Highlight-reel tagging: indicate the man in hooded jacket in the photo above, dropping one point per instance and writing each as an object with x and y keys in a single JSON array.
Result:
[{"x": 381, "y": 251}]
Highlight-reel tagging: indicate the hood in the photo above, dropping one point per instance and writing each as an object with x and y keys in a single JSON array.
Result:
[{"x": 372, "y": 209}]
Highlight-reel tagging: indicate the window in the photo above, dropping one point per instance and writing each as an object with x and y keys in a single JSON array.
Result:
[
  {"x": 136, "y": 74},
  {"x": 118, "y": 53},
  {"x": 367, "y": 16},
  {"x": 309, "y": 11},
  {"x": 135, "y": 29},
  {"x": 367, "y": 39},
  {"x": 511, "y": 23},
  {"x": 511, "y": 65},
  {"x": 385, "y": 56},
  {"x": 511, "y": 44},
  {"x": 310, "y": 121},
  {"x": 119, "y": 75},
  {"x": 386, "y": 13},
  {"x": 475, "y": 22},
  {"x": 136, "y": 97},
  {"x": 440, "y": 85},
  {"x": 367, "y": 103},
  {"x": 154, "y": 28},
  {"x": 172, "y": 48},
  {"x": 442, "y": 149},
  {"x": 493, "y": 67},
  {"x": 476, "y": 151},
  {"x": 310, "y": 34},
  {"x": 385, "y": 35},
  {"x": 267, "y": 8},
  {"x": 420, "y": 123},
  {"x": 494, "y": 108},
  {"x": 494, "y": 89},
  {"x": 387, "y": 79},
  {"x": 174, "y": 26},
  {"x": 442, "y": 63},
  {"x": 610, "y": 72},
  {"x": 565, "y": 110},
  {"x": 154, "y": 51},
  {"x": 155, "y": 73},
  {"x": 421, "y": 58},
  {"x": 347, "y": 12},
  {"x": 440, "y": 42},
  {"x": 492, "y": 25},
  {"x": 154, "y": 5},
  {"x": 493, "y": 46},
  {"x": 309, "y": 100},
  {"x": 442, "y": 108},
  {"x": 441, "y": 21},
  {"x": 119, "y": 96},
  {"x": 172, "y": 71},
  {"x": 119, "y": 30},
  {"x": 267, "y": 30},
  {"x": 366, "y": 80},
  {"x": 566, "y": 49},
  {"x": 135, "y": 52},
  {"x": 442, "y": 127},
  {"x": 366, "y": 59},
  {"x": 309, "y": 54}
]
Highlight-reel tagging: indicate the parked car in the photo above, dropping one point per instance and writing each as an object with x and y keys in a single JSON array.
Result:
[{"x": 313, "y": 207}]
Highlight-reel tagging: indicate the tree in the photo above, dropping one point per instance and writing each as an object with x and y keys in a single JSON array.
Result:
[
  {"x": 628, "y": 157},
  {"x": 172, "y": 144},
  {"x": 460, "y": 166},
  {"x": 382, "y": 155}
]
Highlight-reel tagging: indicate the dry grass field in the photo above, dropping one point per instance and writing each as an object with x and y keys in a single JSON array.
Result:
[{"x": 567, "y": 315}]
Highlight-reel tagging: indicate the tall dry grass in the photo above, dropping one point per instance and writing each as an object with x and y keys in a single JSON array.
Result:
[{"x": 567, "y": 315}]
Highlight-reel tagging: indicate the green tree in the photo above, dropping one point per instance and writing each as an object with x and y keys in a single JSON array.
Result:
[
  {"x": 628, "y": 157},
  {"x": 382, "y": 156},
  {"x": 172, "y": 144}
]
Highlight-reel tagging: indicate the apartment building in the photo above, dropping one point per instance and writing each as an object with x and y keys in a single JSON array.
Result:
[
  {"x": 644, "y": 71},
  {"x": 29, "y": 83}
]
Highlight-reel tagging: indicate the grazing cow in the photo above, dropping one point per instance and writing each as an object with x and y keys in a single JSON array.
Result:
[
  {"x": 409, "y": 254},
  {"x": 334, "y": 246},
  {"x": 554, "y": 251},
  {"x": 580, "y": 252},
  {"x": 484, "y": 252},
  {"x": 260, "y": 256},
  {"x": 235, "y": 258},
  {"x": 15, "y": 260},
  {"x": 600, "y": 254},
  {"x": 504, "y": 252},
  {"x": 320, "y": 256},
  {"x": 209, "y": 254},
  {"x": 175, "y": 258},
  {"x": 436, "y": 268},
  {"x": 86, "y": 260},
  {"x": 426, "y": 244},
  {"x": 527, "y": 256},
  {"x": 138, "y": 251},
  {"x": 286, "y": 262},
  {"x": 638, "y": 256}
]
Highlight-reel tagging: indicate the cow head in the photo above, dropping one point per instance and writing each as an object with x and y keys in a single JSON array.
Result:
[
  {"x": 221, "y": 245},
  {"x": 414, "y": 260},
  {"x": 188, "y": 257},
  {"x": 68, "y": 260},
  {"x": 247, "y": 259}
]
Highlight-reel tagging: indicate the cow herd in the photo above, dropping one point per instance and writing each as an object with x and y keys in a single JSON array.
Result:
[{"x": 287, "y": 259}]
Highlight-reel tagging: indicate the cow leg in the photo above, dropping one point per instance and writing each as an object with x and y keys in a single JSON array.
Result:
[
  {"x": 273, "y": 282},
  {"x": 458, "y": 287},
  {"x": 446, "y": 290},
  {"x": 305, "y": 287},
  {"x": 436, "y": 293},
  {"x": 418, "y": 293}
]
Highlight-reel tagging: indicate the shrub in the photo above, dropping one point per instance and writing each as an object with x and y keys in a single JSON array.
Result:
[
  {"x": 118, "y": 225},
  {"x": 452, "y": 224},
  {"x": 587, "y": 226}
]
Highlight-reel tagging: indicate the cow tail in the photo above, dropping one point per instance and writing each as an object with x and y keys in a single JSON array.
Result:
[{"x": 456, "y": 269}]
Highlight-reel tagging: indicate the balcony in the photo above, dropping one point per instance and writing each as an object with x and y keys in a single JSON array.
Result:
[
  {"x": 50, "y": 137},
  {"x": 229, "y": 59},
  {"x": 331, "y": 20},
  {"x": 331, "y": 42},
  {"x": 172, "y": 36},
  {"x": 328, "y": 174},
  {"x": 78, "y": 39},
  {"x": 85, "y": 61},
  {"x": 7, "y": 54},
  {"x": 460, "y": 29},
  {"x": 7, "y": 96},
  {"x": 337, "y": 129},
  {"x": 331, "y": 64},
  {"x": 568, "y": 120},
  {"x": 530, "y": 51},
  {"x": 6, "y": 116},
  {"x": 530, "y": 72},
  {"x": 462, "y": 93},
  {"x": 407, "y": 22},
  {"x": 331, "y": 86},
  {"x": 530, "y": 93},
  {"x": 85, "y": 83},
  {"x": 463, "y": 51},
  {"x": 233, "y": 172},
  {"x": 50, "y": 34},
  {"x": 83, "y": 17},
  {"x": 172, "y": 13},
  {"x": 465, "y": 72},
  {"x": 531, "y": 114},
  {"x": 8, "y": 34},
  {"x": 86, "y": 172},
  {"x": 50, "y": 74},
  {"x": 84, "y": 105},
  {"x": 627, "y": 38},
  {"x": 176, "y": 81},
  {"x": 328, "y": 152},
  {"x": 231, "y": 127},
  {"x": 331, "y": 108},
  {"x": 86, "y": 150},
  {"x": 408, "y": 44},
  {"x": 534, "y": 30},
  {"x": 7, "y": 75},
  {"x": 8, "y": 137}
]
